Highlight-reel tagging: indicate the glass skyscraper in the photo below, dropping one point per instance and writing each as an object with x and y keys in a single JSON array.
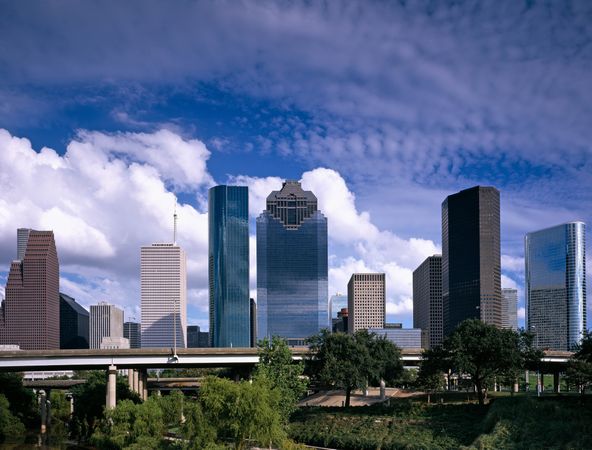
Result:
[
  {"x": 291, "y": 266},
  {"x": 228, "y": 266},
  {"x": 471, "y": 266},
  {"x": 555, "y": 260}
]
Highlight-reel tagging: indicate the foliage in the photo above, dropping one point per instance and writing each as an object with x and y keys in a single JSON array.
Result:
[
  {"x": 349, "y": 362},
  {"x": 242, "y": 411},
  {"x": 9, "y": 424},
  {"x": 579, "y": 368},
  {"x": 22, "y": 401},
  {"x": 131, "y": 424},
  {"x": 197, "y": 429},
  {"x": 481, "y": 351},
  {"x": 172, "y": 407},
  {"x": 89, "y": 402},
  {"x": 281, "y": 373}
]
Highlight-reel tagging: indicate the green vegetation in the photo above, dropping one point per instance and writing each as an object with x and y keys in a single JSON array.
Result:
[
  {"x": 521, "y": 422},
  {"x": 481, "y": 351},
  {"x": 579, "y": 369},
  {"x": 349, "y": 362},
  {"x": 10, "y": 425}
]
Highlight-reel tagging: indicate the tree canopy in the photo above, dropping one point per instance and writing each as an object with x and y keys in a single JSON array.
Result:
[
  {"x": 351, "y": 361},
  {"x": 481, "y": 351}
]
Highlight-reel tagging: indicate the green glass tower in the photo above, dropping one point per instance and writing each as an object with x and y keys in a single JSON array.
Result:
[{"x": 228, "y": 267}]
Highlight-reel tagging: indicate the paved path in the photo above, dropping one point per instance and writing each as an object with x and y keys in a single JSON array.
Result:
[{"x": 336, "y": 398}]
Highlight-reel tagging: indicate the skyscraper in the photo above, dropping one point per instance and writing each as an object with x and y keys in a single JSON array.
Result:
[
  {"x": 555, "y": 260},
  {"x": 30, "y": 314},
  {"x": 336, "y": 303},
  {"x": 133, "y": 332},
  {"x": 228, "y": 267},
  {"x": 253, "y": 324},
  {"x": 163, "y": 287},
  {"x": 510, "y": 308},
  {"x": 427, "y": 299},
  {"x": 471, "y": 272},
  {"x": 74, "y": 323},
  {"x": 366, "y": 300},
  {"x": 291, "y": 265},
  {"x": 105, "y": 321}
]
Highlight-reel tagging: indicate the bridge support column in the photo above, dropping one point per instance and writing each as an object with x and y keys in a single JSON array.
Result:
[
  {"x": 556, "y": 383},
  {"x": 130, "y": 379},
  {"x": 135, "y": 381},
  {"x": 145, "y": 384},
  {"x": 44, "y": 410},
  {"x": 111, "y": 386},
  {"x": 140, "y": 389}
]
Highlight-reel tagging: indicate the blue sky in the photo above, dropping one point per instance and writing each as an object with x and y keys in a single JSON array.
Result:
[{"x": 111, "y": 110}]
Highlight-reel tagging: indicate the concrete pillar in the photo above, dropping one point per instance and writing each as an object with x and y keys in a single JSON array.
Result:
[
  {"x": 382, "y": 390},
  {"x": 526, "y": 381},
  {"x": 556, "y": 383},
  {"x": 43, "y": 408},
  {"x": 111, "y": 386},
  {"x": 130, "y": 379},
  {"x": 145, "y": 384},
  {"x": 516, "y": 387},
  {"x": 136, "y": 382},
  {"x": 140, "y": 390},
  {"x": 539, "y": 385}
]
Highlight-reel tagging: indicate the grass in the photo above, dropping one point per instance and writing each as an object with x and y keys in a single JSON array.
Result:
[{"x": 519, "y": 422}]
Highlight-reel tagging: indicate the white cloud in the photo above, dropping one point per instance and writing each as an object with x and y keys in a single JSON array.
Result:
[
  {"x": 512, "y": 263},
  {"x": 521, "y": 313},
  {"x": 108, "y": 195}
]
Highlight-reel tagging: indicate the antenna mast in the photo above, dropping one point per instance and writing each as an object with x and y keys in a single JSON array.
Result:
[{"x": 175, "y": 225}]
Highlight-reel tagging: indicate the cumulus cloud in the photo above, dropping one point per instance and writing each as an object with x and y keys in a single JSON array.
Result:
[{"x": 105, "y": 197}]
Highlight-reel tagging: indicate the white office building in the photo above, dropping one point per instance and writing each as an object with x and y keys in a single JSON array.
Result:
[
  {"x": 105, "y": 321},
  {"x": 164, "y": 296}
]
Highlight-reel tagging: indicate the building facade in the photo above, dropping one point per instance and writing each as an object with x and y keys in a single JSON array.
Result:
[
  {"x": 403, "y": 338},
  {"x": 292, "y": 266},
  {"x": 228, "y": 266},
  {"x": 555, "y": 260},
  {"x": 366, "y": 297},
  {"x": 74, "y": 323},
  {"x": 163, "y": 287},
  {"x": 133, "y": 332},
  {"x": 30, "y": 313},
  {"x": 106, "y": 320},
  {"x": 471, "y": 268},
  {"x": 510, "y": 308},
  {"x": 336, "y": 303},
  {"x": 253, "y": 326},
  {"x": 427, "y": 299}
]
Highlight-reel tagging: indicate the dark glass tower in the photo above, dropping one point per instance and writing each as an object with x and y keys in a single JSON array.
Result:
[
  {"x": 471, "y": 269},
  {"x": 427, "y": 299},
  {"x": 73, "y": 323},
  {"x": 291, "y": 266},
  {"x": 229, "y": 266},
  {"x": 555, "y": 260}
]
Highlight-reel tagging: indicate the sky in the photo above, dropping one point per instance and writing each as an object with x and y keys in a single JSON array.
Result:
[{"x": 113, "y": 112}]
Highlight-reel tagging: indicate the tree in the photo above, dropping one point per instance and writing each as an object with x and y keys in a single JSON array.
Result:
[
  {"x": 579, "y": 367},
  {"x": 483, "y": 352},
  {"x": 131, "y": 425},
  {"x": 9, "y": 424},
  {"x": 434, "y": 362},
  {"x": 349, "y": 362},
  {"x": 242, "y": 411},
  {"x": 280, "y": 371}
]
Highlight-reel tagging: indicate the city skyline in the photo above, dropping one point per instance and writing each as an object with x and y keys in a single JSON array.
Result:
[{"x": 383, "y": 110}]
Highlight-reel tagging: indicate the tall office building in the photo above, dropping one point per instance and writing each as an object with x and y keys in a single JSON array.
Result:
[
  {"x": 366, "y": 298},
  {"x": 105, "y": 321},
  {"x": 291, "y": 266},
  {"x": 336, "y": 303},
  {"x": 510, "y": 308},
  {"x": 427, "y": 299},
  {"x": 228, "y": 268},
  {"x": 253, "y": 322},
  {"x": 163, "y": 287},
  {"x": 133, "y": 332},
  {"x": 555, "y": 260},
  {"x": 74, "y": 324},
  {"x": 30, "y": 313},
  {"x": 471, "y": 269}
]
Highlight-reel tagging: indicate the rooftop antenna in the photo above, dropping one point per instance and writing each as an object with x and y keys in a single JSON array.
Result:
[{"x": 175, "y": 225}]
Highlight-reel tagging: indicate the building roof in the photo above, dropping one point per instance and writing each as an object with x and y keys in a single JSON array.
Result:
[{"x": 77, "y": 307}]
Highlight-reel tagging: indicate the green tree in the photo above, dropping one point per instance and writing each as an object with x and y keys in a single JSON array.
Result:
[
  {"x": 281, "y": 373},
  {"x": 435, "y": 361},
  {"x": 579, "y": 367},
  {"x": 349, "y": 362},
  {"x": 131, "y": 425},
  {"x": 22, "y": 400},
  {"x": 10, "y": 425},
  {"x": 243, "y": 411},
  {"x": 197, "y": 429},
  {"x": 89, "y": 402},
  {"x": 483, "y": 352}
]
